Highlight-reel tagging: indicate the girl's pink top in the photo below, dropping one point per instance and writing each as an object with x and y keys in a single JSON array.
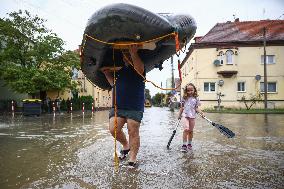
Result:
[{"x": 190, "y": 106}]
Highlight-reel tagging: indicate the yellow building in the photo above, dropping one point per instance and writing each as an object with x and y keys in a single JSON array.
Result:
[
  {"x": 229, "y": 62},
  {"x": 102, "y": 98}
]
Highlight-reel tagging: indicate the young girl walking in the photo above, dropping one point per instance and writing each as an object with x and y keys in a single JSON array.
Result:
[{"x": 187, "y": 114}]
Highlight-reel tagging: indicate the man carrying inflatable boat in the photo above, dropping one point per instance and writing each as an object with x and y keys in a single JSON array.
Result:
[{"x": 121, "y": 43}]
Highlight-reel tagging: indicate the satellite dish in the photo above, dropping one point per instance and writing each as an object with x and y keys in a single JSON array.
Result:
[
  {"x": 217, "y": 62},
  {"x": 221, "y": 82},
  {"x": 258, "y": 77}
]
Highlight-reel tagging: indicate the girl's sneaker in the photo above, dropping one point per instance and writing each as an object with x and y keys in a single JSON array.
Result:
[
  {"x": 189, "y": 147},
  {"x": 184, "y": 148}
]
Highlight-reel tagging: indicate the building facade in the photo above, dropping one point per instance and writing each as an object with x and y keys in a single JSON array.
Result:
[
  {"x": 227, "y": 64},
  {"x": 102, "y": 98}
]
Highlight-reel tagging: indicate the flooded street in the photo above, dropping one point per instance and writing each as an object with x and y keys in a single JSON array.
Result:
[{"x": 77, "y": 152}]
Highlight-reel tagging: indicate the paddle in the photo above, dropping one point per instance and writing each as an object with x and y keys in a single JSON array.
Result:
[
  {"x": 174, "y": 132},
  {"x": 227, "y": 132}
]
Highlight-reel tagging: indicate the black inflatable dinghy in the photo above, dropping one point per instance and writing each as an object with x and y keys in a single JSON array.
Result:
[{"x": 123, "y": 23}]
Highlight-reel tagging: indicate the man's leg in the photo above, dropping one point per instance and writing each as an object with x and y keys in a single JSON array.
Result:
[
  {"x": 120, "y": 136},
  {"x": 134, "y": 138}
]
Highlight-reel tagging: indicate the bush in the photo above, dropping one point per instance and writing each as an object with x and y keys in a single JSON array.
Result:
[
  {"x": 77, "y": 103},
  {"x": 63, "y": 105}
]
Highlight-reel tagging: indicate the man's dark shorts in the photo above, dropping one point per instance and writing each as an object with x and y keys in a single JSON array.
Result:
[{"x": 128, "y": 114}]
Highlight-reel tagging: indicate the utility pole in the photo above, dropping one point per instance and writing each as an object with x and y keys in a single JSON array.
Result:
[
  {"x": 173, "y": 77},
  {"x": 265, "y": 70},
  {"x": 173, "y": 84}
]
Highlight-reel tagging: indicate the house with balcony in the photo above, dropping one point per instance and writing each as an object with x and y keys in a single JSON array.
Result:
[{"x": 227, "y": 64}]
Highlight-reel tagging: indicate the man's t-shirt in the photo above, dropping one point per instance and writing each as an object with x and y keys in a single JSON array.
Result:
[{"x": 129, "y": 89}]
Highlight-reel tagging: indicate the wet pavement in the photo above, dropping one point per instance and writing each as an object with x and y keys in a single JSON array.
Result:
[{"x": 77, "y": 152}]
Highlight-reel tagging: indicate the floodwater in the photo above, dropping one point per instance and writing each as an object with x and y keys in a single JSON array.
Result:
[{"x": 77, "y": 152}]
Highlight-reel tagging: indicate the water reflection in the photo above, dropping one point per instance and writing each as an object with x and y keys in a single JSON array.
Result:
[{"x": 76, "y": 151}]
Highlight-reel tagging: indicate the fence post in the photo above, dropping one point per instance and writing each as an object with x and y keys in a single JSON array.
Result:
[
  {"x": 83, "y": 108},
  {"x": 13, "y": 107},
  {"x": 53, "y": 107}
]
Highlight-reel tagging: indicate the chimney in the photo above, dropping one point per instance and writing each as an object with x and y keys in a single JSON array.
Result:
[{"x": 198, "y": 39}]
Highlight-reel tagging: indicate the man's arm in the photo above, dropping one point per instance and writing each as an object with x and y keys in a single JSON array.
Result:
[
  {"x": 138, "y": 64},
  {"x": 109, "y": 76},
  {"x": 108, "y": 71}
]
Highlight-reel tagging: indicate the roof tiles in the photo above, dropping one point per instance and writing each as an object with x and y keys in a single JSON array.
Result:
[{"x": 245, "y": 31}]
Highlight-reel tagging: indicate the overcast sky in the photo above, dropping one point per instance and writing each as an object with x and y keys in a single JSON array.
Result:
[{"x": 68, "y": 18}]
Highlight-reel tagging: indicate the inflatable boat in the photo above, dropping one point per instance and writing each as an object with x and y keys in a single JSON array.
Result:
[{"x": 111, "y": 28}]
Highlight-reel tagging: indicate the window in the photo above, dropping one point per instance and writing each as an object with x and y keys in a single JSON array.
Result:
[
  {"x": 270, "y": 59},
  {"x": 271, "y": 87},
  {"x": 221, "y": 57},
  {"x": 209, "y": 87},
  {"x": 241, "y": 87},
  {"x": 229, "y": 56},
  {"x": 74, "y": 73}
]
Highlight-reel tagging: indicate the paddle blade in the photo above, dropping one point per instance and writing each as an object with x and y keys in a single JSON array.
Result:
[{"x": 227, "y": 132}]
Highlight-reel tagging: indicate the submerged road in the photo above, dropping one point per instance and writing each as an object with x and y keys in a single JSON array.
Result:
[{"x": 77, "y": 152}]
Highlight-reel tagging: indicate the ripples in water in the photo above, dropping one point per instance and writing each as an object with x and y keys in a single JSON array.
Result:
[{"x": 78, "y": 153}]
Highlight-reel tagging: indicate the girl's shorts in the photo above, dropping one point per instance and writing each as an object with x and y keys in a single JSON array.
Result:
[{"x": 188, "y": 123}]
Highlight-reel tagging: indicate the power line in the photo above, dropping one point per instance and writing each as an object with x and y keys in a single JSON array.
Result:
[
  {"x": 55, "y": 16},
  {"x": 49, "y": 13}
]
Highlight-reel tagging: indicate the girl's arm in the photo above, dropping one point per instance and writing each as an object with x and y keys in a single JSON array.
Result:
[
  {"x": 180, "y": 110},
  {"x": 200, "y": 112}
]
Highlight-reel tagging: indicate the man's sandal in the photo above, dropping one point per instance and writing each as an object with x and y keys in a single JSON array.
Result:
[{"x": 123, "y": 154}]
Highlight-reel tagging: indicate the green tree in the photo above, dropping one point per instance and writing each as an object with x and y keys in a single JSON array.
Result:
[
  {"x": 147, "y": 94},
  {"x": 157, "y": 100},
  {"x": 32, "y": 58}
]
